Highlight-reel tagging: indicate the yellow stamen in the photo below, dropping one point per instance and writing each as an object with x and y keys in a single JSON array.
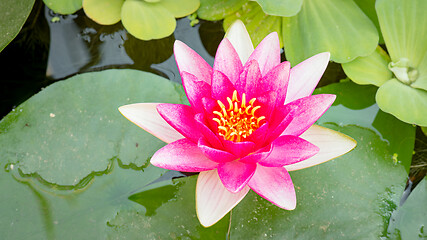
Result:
[{"x": 239, "y": 121}]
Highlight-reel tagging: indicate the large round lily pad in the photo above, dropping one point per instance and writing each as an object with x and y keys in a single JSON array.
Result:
[{"x": 73, "y": 128}]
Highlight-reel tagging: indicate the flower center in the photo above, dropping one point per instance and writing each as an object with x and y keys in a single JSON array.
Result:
[{"x": 238, "y": 121}]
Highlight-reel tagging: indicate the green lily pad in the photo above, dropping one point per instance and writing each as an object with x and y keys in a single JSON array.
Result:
[
  {"x": 64, "y": 6},
  {"x": 180, "y": 8},
  {"x": 410, "y": 221},
  {"x": 147, "y": 21},
  {"x": 174, "y": 216},
  {"x": 286, "y": 8},
  {"x": 406, "y": 103},
  {"x": 13, "y": 15},
  {"x": 372, "y": 69},
  {"x": 214, "y": 10},
  {"x": 33, "y": 210},
  {"x": 334, "y": 26},
  {"x": 73, "y": 128},
  {"x": 257, "y": 23},
  {"x": 103, "y": 12}
]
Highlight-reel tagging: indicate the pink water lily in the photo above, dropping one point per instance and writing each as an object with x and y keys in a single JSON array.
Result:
[{"x": 250, "y": 122}]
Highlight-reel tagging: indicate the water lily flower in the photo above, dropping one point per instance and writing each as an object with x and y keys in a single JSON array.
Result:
[{"x": 249, "y": 122}]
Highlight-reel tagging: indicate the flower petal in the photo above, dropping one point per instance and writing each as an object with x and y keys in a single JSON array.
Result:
[
  {"x": 275, "y": 185},
  {"x": 145, "y": 115},
  {"x": 249, "y": 79},
  {"x": 305, "y": 76},
  {"x": 277, "y": 80},
  {"x": 235, "y": 175},
  {"x": 332, "y": 144},
  {"x": 227, "y": 61},
  {"x": 195, "y": 90},
  {"x": 240, "y": 39},
  {"x": 267, "y": 53},
  {"x": 238, "y": 149},
  {"x": 209, "y": 136},
  {"x": 221, "y": 87},
  {"x": 180, "y": 117},
  {"x": 213, "y": 200},
  {"x": 189, "y": 61},
  {"x": 182, "y": 155},
  {"x": 287, "y": 150},
  {"x": 306, "y": 111},
  {"x": 216, "y": 155}
]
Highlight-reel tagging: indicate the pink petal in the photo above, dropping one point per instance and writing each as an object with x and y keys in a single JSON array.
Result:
[
  {"x": 235, "y": 175},
  {"x": 283, "y": 116},
  {"x": 275, "y": 185},
  {"x": 288, "y": 150},
  {"x": 240, "y": 39},
  {"x": 260, "y": 155},
  {"x": 180, "y": 117},
  {"x": 182, "y": 155},
  {"x": 331, "y": 143},
  {"x": 267, "y": 53},
  {"x": 221, "y": 87},
  {"x": 216, "y": 155},
  {"x": 195, "y": 90},
  {"x": 191, "y": 62},
  {"x": 145, "y": 115},
  {"x": 227, "y": 61},
  {"x": 238, "y": 149},
  {"x": 277, "y": 80},
  {"x": 213, "y": 200},
  {"x": 209, "y": 136},
  {"x": 249, "y": 79},
  {"x": 306, "y": 111},
  {"x": 305, "y": 76}
]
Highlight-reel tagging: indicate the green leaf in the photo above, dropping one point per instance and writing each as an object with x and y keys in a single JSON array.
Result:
[
  {"x": 73, "y": 128},
  {"x": 64, "y": 6},
  {"x": 171, "y": 214},
  {"x": 372, "y": 69},
  {"x": 334, "y": 26},
  {"x": 34, "y": 210},
  {"x": 403, "y": 27},
  {"x": 410, "y": 222},
  {"x": 180, "y": 8},
  {"x": 283, "y": 8},
  {"x": 214, "y": 10},
  {"x": 406, "y": 103},
  {"x": 147, "y": 21},
  {"x": 103, "y": 12},
  {"x": 258, "y": 24},
  {"x": 368, "y": 7},
  {"x": 13, "y": 15}
]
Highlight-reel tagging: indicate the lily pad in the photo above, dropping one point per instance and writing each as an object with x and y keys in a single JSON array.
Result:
[
  {"x": 286, "y": 8},
  {"x": 64, "y": 6},
  {"x": 372, "y": 69},
  {"x": 214, "y": 10},
  {"x": 410, "y": 221},
  {"x": 334, "y": 26},
  {"x": 13, "y": 15},
  {"x": 147, "y": 21},
  {"x": 257, "y": 23},
  {"x": 73, "y": 128}
]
